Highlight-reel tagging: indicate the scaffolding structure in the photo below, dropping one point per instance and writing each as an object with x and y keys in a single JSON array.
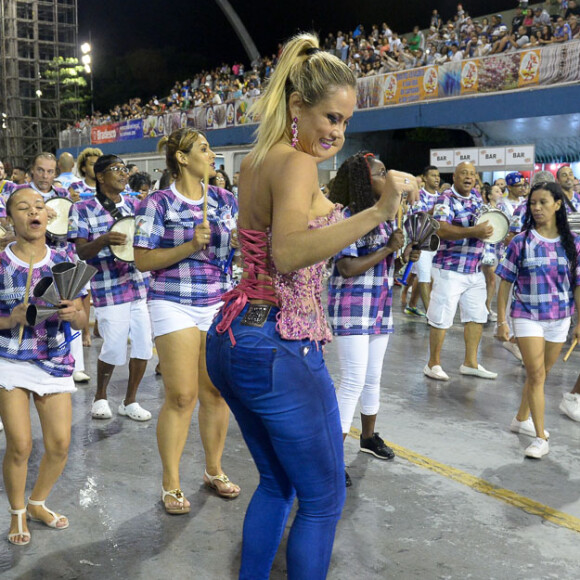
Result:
[{"x": 32, "y": 34}]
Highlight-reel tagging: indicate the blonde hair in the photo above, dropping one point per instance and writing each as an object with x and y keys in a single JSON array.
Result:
[
  {"x": 302, "y": 68},
  {"x": 83, "y": 155},
  {"x": 180, "y": 140}
]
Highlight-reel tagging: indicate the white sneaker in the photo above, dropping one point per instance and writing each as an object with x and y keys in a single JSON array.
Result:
[
  {"x": 81, "y": 377},
  {"x": 537, "y": 449},
  {"x": 435, "y": 372},
  {"x": 491, "y": 316},
  {"x": 478, "y": 372},
  {"x": 134, "y": 411},
  {"x": 526, "y": 427},
  {"x": 513, "y": 348},
  {"x": 570, "y": 405}
]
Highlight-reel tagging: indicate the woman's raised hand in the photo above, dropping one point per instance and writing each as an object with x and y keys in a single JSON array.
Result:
[{"x": 397, "y": 185}]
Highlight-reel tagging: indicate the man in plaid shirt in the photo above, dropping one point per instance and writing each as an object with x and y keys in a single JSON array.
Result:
[
  {"x": 119, "y": 293},
  {"x": 458, "y": 279}
]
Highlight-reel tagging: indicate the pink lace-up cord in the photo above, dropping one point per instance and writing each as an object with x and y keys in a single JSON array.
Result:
[{"x": 254, "y": 246}]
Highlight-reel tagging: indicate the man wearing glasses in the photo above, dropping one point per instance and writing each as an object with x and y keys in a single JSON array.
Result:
[{"x": 119, "y": 293}]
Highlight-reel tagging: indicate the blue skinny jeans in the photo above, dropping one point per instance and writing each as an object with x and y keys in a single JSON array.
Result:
[{"x": 284, "y": 402}]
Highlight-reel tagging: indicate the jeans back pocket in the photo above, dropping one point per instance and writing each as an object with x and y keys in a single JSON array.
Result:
[{"x": 252, "y": 370}]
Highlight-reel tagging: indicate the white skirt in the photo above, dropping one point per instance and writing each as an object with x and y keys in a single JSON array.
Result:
[{"x": 26, "y": 375}]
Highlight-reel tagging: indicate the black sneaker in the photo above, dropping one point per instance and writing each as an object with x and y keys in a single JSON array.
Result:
[
  {"x": 376, "y": 446},
  {"x": 347, "y": 479}
]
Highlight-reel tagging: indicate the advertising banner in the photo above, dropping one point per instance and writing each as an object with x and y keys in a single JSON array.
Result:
[
  {"x": 443, "y": 159},
  {"x": 104, "y": 134},
  {"x": 154, "y": 126},
  {"x": 491, "y": 158},
  {"x": 470, "y": 76},
  {"x": 128, "y": 130},
  {"x": 529, "y": 68},
  {"x": 520, "y": 156}
]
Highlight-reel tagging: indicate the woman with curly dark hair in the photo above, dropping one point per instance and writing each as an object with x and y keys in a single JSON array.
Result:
[
  {"x": 542, "y": 263},
  {"x": 360, "y": 297}
]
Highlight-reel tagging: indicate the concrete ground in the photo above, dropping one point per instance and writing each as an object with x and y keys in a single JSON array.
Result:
[{"x": 459, "y": 501}]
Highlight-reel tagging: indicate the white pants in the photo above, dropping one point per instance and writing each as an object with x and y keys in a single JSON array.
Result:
[
  {"x": 76, "y": 350},
  {"x": 361, "y": 364}
]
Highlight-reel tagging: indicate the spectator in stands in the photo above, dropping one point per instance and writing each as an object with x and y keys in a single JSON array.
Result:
[
  {"x": 221, "y": 179},
  {"x": 541, "y": 18},
  {"x": 20, "y": 175},
  {"x": 545, "y": 35},
  {"x": 435, "y": 20},
  {"x": 574, "y": 26},
  {"x": 454, "y": 55},
  {"x": 573, "y": 9},
  {"x": 417, "y": 40},
  {"x": 517, "y": 20},
  {"x": 562, "y": 32}
]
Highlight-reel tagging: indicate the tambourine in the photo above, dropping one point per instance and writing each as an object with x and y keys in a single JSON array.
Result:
[
  {"x": 498, "y": 220},
  {"x": 57, "y": 227},
  {"x": 124, "y": 252}
]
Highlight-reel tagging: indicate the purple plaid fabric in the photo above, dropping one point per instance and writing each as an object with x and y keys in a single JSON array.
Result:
[
  {"x": 40, "y": 344},
  {"x": 426, "y": 202},
  {"x": 539, "y": 270},
  {"x": 517, "y": 219},
  {"x": 166, "y": 219},
  {"x": 363, "y": 304},
  {"x": 54, "y": 192},
  {"x": 463, "y": 256},
  {"x": 2, "y": 207},
  {"x": 82, "y": 189},
  {"x": 115, "y": 282}
]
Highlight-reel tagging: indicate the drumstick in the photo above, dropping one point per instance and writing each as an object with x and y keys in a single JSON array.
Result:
[
  {"x": 574, "y": 343},
  {"x": 26, "y": 292},
  {"x": 206, "y": 183}
]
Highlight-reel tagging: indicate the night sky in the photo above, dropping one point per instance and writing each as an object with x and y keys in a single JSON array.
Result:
[{"x": 141, "y": 47}]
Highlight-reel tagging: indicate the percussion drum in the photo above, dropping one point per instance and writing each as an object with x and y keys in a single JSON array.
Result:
[
  {"x": 57, "y": 227},
  {"x": 126, "y": 225},
  {"x": 574, "y": 222},
  {"x": 497, "y": 219}
]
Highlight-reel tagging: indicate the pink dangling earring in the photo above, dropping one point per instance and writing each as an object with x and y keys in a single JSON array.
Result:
[{"x": 294, "y": 129}]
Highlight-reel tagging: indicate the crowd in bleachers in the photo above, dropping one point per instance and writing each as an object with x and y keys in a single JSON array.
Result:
[{"x": 378, "y": 50}]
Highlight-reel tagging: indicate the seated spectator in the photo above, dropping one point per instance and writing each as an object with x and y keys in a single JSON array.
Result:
[
  {"x": 417, "y": 40},
  {"x": 545, "y": 35},
  {"x": 573, "y": 9},
  {"x": 562, "y": 32},
  {"x": 574, "y": 26},
  {"x": 541, "y": 18}
]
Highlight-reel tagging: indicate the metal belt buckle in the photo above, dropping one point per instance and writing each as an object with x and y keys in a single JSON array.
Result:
[{"x": 256, "y": 315}]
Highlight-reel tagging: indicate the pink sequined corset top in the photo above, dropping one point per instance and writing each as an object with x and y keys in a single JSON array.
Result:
[{"x": 297, "y": 294}]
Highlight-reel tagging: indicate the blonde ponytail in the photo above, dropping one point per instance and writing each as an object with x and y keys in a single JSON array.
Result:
[{"x": 303, "y": 68}]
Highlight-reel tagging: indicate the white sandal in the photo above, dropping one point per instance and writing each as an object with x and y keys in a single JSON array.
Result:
[
  {"x": 178, "y": 496},
  {"x": 56, "y": 517},
  {"x": 20, "y": 513},
  {"x": 210, "y": 481}
]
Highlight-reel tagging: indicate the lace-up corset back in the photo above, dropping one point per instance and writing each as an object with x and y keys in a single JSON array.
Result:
[{"x": 299, "y": 293}]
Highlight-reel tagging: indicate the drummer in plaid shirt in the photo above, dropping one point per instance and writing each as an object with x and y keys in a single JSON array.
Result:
[
  {"x": 458, "y": 278},
  {"x": 119, "y": 292}
]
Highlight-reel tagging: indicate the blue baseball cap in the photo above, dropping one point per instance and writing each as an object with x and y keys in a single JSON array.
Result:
[{"x": 514, "y": 178}]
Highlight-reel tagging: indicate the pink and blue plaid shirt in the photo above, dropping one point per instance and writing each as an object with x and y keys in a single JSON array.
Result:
[
  {"x": 363, "y": 304},
  {"x": 539, "y": 270},
  {"x": 426, "y": 202},
  {"x": 82, "y": 189},
  {"x": 40, "y": 344},
  {"x": 116, "y": 282},
  {"x": 166, "y": 219},
  {"x": 464, "y": 255}
]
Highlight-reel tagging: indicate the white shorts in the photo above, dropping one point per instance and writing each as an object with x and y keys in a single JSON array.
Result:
[
  {"x": 121, "y": 322},
  {"x": 422, "y": 266},
  {"x": 452, "y": 288},
  {"x": 26, "y": 375},
  {"x": 169, "y": 316},
  {"x": 549, "y": 330}
]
